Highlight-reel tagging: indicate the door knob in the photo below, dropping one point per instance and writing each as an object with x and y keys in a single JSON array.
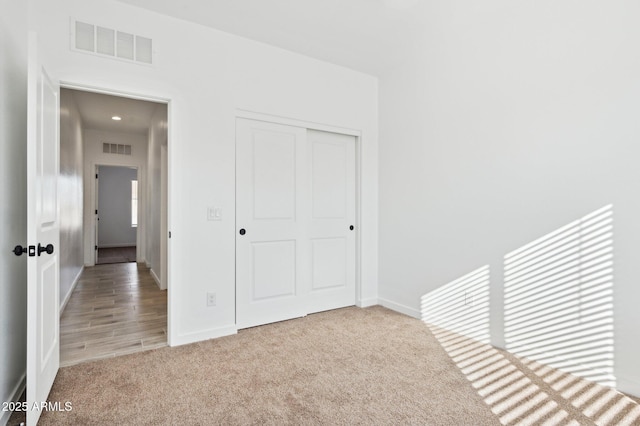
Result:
[
  {"x": 242, "y": 231},
  {"x": 18, "y": 250},
  {"x": 351, "y": 227},
  {"x": 48, "y": 248}
]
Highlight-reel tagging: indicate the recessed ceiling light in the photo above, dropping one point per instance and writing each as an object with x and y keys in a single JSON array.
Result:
[{"x": 116, "y": 118}]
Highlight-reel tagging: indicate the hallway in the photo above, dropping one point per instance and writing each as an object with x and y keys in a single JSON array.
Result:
[{"x": 114, "y": 310}]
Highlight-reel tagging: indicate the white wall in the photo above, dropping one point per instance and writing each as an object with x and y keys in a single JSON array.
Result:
[
  {"x": 93, "y": 140},
  {"x": 114, "y": 207},
  {"x": 157, "y": 139},
  {"x": 70, "y": 195},
  {"x": 208, "y": 75},
  {"x": 505, "y": 121},
  {"x": 13, "y": 205}
]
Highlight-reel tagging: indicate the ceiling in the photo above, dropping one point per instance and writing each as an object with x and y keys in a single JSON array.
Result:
[
  {"x": 97, "y": 109},
  {"x": 364, "y": 35},
  {"x": 360, "y": 34}
]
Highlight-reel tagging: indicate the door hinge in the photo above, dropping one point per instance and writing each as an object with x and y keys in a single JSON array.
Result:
[
  {"x": 96, "y": 211},
  {"x": 96, "y": 176},
  {"x": 169, "y": 234},
  {"x": 96, "y": 248}
]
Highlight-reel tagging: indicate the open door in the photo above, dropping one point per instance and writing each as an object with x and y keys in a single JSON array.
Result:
[
  {"x": 96, "y": 218},
  {"x": 43, "y": 233}
]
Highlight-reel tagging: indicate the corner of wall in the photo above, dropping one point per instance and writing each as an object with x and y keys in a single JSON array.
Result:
[
  {"x": 630, "y": 387},
  {"x": 198, "y": 336},
  {"x": 156, "y": 279},
  {"x": 366, "y": 303},
  {"x": 403, "y": 309}
]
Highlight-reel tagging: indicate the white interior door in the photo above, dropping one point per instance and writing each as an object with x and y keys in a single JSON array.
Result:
[
  {"x": 96, "y": 216},
  {"x": 270, "y": 173},
  {"x": 43, "y": 344},
  {"x": 332, "y": 192},
  {"x": 295, "y": 195}
]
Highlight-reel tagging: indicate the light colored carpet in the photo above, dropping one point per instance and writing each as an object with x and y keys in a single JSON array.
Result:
[{"x": 349, "y": 366}]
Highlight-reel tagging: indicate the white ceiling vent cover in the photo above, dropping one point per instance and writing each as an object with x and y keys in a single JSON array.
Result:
[
  {"x": 107, "y": 42},
  {"x": 85, "y": 36},
  {"x": 106, "y": 45},
  {"x": 114, "y": 148},
  {"x": 125, "y": 46}
]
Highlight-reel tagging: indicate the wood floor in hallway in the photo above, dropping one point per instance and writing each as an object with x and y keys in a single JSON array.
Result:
[{"x": 114, "y": 310}]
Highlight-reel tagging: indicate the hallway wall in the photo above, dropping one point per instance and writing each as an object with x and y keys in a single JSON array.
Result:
[
  {"x": 156, "y": 203},
  {"x": 71, "y": 194}
]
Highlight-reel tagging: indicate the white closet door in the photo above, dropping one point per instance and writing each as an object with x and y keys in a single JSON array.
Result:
[
  {"x": 331, "y": 159},
  {"x": 295, "y": 204},
  {"x": 271, "y": 176}
]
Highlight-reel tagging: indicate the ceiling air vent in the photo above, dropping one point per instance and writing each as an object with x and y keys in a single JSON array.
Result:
[
  {"x": 114, "y": 148},
  {"x": 105, "y": 44},
  {"x": 108, "y": 42}
]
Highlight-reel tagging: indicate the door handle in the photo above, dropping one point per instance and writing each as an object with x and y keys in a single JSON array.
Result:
[
  {"x": 19, "y": 250},
  {"x": 242, "y": 231},
  {"x": 351, "y": 227},
  {"x": 48, "y": 248}
]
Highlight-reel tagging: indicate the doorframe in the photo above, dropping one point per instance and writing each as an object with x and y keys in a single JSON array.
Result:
[
  {"x": 67, "y": 84},
  {"x": 311, "y": 125},
  {"x": 141, "y": 231}
]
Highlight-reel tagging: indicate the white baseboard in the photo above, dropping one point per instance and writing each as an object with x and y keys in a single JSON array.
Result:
[
  {"x": 15, "y": 396},
  {"x": 73, "y": 287},
  {"x": 365, "y": 303},
  {"x": 199, "y": 336},
  {"x": 156, "y": 279},
  {"x": 630, "y": 387},
  {"x": 400, "y": 308}
]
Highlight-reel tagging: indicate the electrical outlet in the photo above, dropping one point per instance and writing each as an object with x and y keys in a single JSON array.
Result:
[{"x": 211, "y": 299}]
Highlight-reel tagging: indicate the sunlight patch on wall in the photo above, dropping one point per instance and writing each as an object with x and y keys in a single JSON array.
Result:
[
  {"x": 461, "y": 306},
  {"x": 559, "y": 298}
]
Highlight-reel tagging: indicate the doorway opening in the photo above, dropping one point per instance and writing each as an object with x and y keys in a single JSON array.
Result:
[
  {"x": 117, "y": 214},
  {"x": 117, "y": 303}
]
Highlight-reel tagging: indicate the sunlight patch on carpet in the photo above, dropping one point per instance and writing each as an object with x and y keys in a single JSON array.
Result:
[{"x": 525, "y": 392}]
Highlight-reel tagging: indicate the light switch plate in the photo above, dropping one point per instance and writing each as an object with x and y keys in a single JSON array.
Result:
[{"x": 214, "y": 213}]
